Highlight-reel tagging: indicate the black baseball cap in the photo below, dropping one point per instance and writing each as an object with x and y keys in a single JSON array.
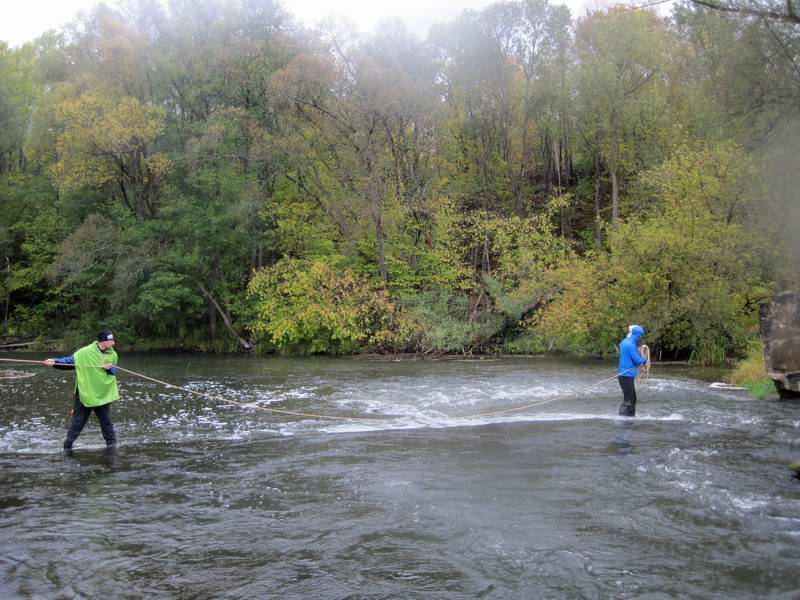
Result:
[{"x": 105, "y": 335}]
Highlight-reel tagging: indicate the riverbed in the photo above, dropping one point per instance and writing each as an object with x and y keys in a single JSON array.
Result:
[{"x": 415, "y": 491}]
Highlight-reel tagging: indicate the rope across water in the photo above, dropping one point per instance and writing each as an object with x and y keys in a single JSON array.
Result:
[
  {"x": 242, "y": 404},
  {"x": 211, "y": 396},
  {"x": 645, "y": 371}
]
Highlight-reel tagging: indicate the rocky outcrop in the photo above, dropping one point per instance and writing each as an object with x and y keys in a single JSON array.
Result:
[{"x": 780, "y": 332}]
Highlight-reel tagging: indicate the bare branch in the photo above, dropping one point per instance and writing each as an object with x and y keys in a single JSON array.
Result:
[{"x": 790, "y": 16}]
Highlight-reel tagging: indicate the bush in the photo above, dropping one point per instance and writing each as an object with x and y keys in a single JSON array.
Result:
[
  {"x": 321, "y": 305},
  {"x": 442, "y": 322},
  {"x": 751, "y": 371}
]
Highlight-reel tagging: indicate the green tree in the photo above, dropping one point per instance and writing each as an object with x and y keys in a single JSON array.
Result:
[
  {"x": 621, "y": 52},
  {"x": 688, "y": 270},
  {"x": 108, "y": 143},
  {"x": 320, "y": 306}
]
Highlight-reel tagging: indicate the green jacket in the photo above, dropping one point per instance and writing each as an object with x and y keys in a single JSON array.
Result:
[{"x": 95, "y": 386}]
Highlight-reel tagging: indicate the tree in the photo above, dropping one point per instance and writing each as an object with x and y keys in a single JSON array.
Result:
[
  {"x": 18, "y": 95},
  {"x": 504, "y": 73},
  {"x": 621, "y": 52},
  {"x": 369, "y": 111},
  {"x": 107, "y": 142},
  {"x": 688, "y": 268}
]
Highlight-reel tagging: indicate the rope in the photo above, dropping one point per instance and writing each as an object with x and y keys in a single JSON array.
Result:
[
  {"x": 17, "y": 360},
  {"x": 645, "y": 368},
  {"x": 643, "y": 374},
  {"x": 541, "y": 402},
  {"x": 242, "y": 404},
  {"x": 213, "y": 397}
]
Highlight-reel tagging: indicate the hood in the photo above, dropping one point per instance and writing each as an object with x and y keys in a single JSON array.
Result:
[{"x": 635, "y": 332}]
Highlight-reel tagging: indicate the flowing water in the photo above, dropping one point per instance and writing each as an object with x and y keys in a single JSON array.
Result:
[{"x": 209, "y": 499}]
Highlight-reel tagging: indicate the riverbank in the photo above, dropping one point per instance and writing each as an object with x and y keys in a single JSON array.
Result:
[{"x": 761, "y": 389}]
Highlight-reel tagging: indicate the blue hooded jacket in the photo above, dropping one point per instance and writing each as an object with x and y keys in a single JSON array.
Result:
[{"x": 629, "y": 357}]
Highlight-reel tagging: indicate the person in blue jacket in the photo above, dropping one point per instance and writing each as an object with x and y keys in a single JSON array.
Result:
[{"x": 629, "y": 361}]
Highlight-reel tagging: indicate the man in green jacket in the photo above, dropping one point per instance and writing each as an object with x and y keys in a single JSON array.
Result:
[{"x": 95, "y": 386}]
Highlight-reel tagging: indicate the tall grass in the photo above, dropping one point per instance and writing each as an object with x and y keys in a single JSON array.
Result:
[{"x": 751, "y": 371}]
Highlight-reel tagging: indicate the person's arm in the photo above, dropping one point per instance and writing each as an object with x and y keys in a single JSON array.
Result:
[
  {"x": 65, "y": 363},
  {"x": 110, "y": 369},
  {"x": 634, "y": 355}
]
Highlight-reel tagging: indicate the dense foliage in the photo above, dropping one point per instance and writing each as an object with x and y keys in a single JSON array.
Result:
[{"x": 212, "y": 175}]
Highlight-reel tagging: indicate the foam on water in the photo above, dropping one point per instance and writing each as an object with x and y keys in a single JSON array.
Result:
[
  {"x": 427, "y": 401},
  {"x": 394, "y": 402},
  {"x": 444, "y": 422}
]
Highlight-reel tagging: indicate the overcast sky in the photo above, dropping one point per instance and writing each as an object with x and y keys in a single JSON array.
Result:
[{"x": 24, "y": 20}]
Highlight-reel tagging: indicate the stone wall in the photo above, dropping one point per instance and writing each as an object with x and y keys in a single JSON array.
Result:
[{"x": 780, "y": 332}]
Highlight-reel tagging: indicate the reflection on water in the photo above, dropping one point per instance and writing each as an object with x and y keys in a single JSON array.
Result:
[
  {"x": 204, "y": 498},
  {"x": 623, "y": 437}
]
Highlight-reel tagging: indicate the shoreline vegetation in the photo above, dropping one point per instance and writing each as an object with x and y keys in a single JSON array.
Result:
[
  {"x": 56, "y": 345},
  {"x": 64, "y": 344},
  {"x": 751, "y": 372},
  {"x": 523, "y": 181}
]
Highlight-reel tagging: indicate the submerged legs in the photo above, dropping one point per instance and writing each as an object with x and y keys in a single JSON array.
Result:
[
  {"x": 81, "y": 413},
  {"x": 628, "y": 406}
]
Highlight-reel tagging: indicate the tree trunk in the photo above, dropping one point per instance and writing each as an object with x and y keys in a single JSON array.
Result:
[
  {"x": 212, "y": 320},
  {"x": 487, "y": 263},
  {"x": 557, "y": 157},
  {"x": 614, "y": 183},
  {"x": 548, "y": 158},
  {"x": 225, "y": 317},
  {"x": 8, "y": 295},
  {"x": 374, "y": 194},
  {"x": 598, "y": 222},
  {"x": 377, "y": 219},
  {"x": 524, "y": 168}
]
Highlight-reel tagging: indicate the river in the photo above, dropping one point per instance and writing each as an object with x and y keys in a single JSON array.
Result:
[{"x": 220, "y": 498}]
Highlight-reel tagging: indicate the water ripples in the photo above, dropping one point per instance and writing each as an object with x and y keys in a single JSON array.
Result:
[{"x": 207, "y": 498}]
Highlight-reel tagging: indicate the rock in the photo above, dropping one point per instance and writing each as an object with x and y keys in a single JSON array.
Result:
[
  {"x": 718, "y": 385},
  {"x": 780, "y": 332},
  {"x": 795, "y": 466}
]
